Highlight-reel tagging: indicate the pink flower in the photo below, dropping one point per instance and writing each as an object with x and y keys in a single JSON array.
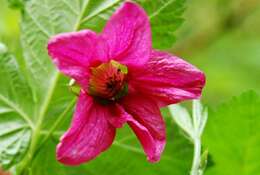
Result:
[{"x": 123, "y": 80}]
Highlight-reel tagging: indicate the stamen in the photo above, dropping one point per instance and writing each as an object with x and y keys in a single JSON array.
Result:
[{"x": 108, "y": 81}]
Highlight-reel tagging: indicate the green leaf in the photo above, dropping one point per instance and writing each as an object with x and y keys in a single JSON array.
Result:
[
  {"x": 123, "y": 157},
  {"x": 232, "y": 136},
  {"x": 15, "y": 102},
  {"x": 40, "y": 21},
  {"x": 166, "y": 17},
  {"x": 98, "y": 12}
]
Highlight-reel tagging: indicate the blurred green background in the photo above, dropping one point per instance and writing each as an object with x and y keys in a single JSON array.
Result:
[
  {"x": 9, "y": 26},
  {"x": 221, "y": 37}
]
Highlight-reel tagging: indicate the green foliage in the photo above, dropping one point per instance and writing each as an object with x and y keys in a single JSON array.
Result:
[
  {"x": 98, "y": 12},
  {"x": 232, "y": 137},
  {"x": 166, "y": 17},
  {"x": 222, "y": 38},
  {"x": 15, "y": 102},
  {"x": 125, "y": 156}
]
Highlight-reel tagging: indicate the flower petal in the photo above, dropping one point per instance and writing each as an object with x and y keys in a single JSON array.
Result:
[
  {"x": 146, "y": 111},
  {"x": 128, "y": 35},
  {"x": 153, "y": 147},
  {"x": 168, "y": 79},
  {"x": 89, "y": 135},
  {"x": 147, "y": 123},
  {"x": 74, "y": 52},
  {"x": 118, "y": 116}
]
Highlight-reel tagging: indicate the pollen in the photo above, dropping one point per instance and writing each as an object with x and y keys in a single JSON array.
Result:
[{"x": 108, "y": 81}]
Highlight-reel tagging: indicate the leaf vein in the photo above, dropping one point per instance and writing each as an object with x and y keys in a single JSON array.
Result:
[
  {"x": 45, "y": 32},
  {"x": 160, "y": 9},
  {"x": 18, "y": 110}
]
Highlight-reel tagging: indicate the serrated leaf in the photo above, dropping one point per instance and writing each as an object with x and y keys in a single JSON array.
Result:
[
  {"x": 15, "y": 123},
  {"x": 41, "y": 20},
  {"x": 166, "y": 17},
  {"x": 232, "y": 136},
  {"x": 98, "y": 12}
]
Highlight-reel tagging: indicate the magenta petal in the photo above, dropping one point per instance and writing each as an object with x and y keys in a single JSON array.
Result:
[
  {"x": 168, "y": 79},
  {"x": 147, "y": 123},
  {"x": 118, "y": 116},
  {"x": 74, "y": 52},
  {"x": 153, "y": 147},
  {"x": 89, "y": 134},
  {"x": 128, "y": 35},
  {"x": 146, "y": 111}
]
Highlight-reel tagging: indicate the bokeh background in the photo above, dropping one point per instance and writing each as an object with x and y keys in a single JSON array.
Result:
[{"x": 222, "y": 37}]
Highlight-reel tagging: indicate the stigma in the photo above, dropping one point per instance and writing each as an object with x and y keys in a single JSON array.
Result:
[{"x": 108, "y": 82}]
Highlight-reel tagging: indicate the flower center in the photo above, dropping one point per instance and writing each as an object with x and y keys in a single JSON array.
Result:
[{"x": 108, "y": 82}]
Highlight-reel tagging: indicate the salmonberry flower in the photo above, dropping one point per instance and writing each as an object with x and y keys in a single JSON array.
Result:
[{"x": 122, "y": 80}]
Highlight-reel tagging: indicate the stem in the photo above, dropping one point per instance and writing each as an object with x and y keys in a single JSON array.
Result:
[
  {"x": 35, "y": 149},
  {"x": 195, "y": 170},
  {"x": 21, "y": 168}
]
